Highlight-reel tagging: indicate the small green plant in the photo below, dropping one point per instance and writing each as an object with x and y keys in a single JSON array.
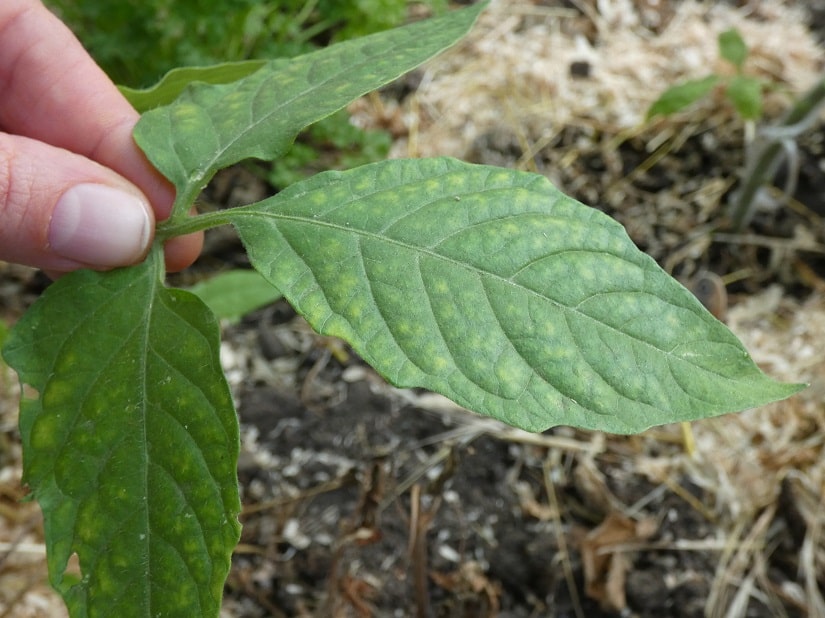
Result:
[
  {"x": 743, "y": 91},
  {"x": 772, "y": 145},
  {"x": 484, "y": 284}
]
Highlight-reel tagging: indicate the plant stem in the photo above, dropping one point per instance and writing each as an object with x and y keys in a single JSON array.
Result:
[{"x": 766, "y": 160}]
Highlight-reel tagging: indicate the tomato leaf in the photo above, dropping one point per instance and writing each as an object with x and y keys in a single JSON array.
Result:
[
  {"x": 493, "y": 288},
  {"x": 210, "y": 127},
  {"x": 130, "y": 443}
]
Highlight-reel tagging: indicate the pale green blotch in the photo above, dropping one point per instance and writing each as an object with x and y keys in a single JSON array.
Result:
[
  {"x": 448, "y": 313},
  {"x": 402, "y": 329},
  {"x": 437, "y": 364},
  {"x": 94, "y": 517},
  {"x": 114, "y": 493},
  {"x": 686, "y": 330},
  {"x": 440, "y": 286},
  {"x": 47, "y": 432},
  {"x": 457, "y": 181},
  {"x": 336, "y": 326},
  {"x": 344, "y": 285},
  {"x": 201, "y": 492},
  {"x": 120, "y": 555},
  {"x": 634, "y": 386},
  {"x": 585, "y": 272},
  {"x": 499, "y": 177},
  {"x": 184, "y": 470},
  {"x": 314, "y": 308},
  {"x": 512, "y": 374},
  {"x": 334, "y": 251},
  {"x": 66, "y": 361},
  {"x": 340, "y": 89},
  {"x": 560, "y": 354},
  {"x": 433, "y": 186},
  {"x": 186, "y": 117},
  {"x": 317, "y": 198},
  {"x": 379, "y": 269},
  {"x": 509, "y": 310},
  {"x": 193, "y": 550},
  {"x": 283, "y": 80},
  {"x": 363, "y": 184},
  {"x": 105, "y": 584},
  {"x": 522, "y": 199},
  {"x": 356, "y": 310}
]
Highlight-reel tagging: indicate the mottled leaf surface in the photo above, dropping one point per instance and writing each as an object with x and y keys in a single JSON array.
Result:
[
  {"x": 130, "y": 443},
  {"x": 175, "y": 81},
  {"x": 213, "y": 126},
  {"x": 491, "y": 287}
]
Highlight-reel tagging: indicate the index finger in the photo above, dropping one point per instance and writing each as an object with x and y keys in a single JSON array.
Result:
[{"x": 52, "y": 91}]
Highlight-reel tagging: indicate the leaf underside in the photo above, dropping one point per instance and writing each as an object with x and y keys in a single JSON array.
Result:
[
  {"x": 493, "y": 288},
  {"x": 175, "y": 81},
  {"x": 130, "y": 443}
]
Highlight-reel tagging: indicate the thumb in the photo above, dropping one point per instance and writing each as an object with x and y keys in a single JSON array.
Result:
[{"x": 60, "y": 211}]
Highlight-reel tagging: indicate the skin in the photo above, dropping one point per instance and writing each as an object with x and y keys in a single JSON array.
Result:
[{"x": 63, "y": 123}]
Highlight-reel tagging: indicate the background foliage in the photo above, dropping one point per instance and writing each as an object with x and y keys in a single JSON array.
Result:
[{"x": 137, "y": 41}]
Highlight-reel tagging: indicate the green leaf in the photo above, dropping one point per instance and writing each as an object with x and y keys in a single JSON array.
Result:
[
  {"x": 4, "y": 332},
  {"x": 681, "y": 96},
  {"x": 130, "y": 443},
  {"x": 234, "y": 293},
  {"x": 173, "y": 83},
  {"x": 213, "y": 126},
  {"x": 746, "y": 95},
  {"x": 732, "y": 47},
  {"x": 493, "y": 288}
]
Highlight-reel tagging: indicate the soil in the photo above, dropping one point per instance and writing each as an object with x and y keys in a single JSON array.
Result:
[{"x": 364, "y": 500}]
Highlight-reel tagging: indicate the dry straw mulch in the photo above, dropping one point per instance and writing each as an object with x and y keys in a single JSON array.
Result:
[{"x": 560, "y": 91}]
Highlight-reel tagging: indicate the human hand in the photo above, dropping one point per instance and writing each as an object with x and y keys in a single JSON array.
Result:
[{"x": 75, "y": 190}]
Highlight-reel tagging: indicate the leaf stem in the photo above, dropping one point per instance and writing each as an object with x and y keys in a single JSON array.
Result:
[{"x": 172, "y": 228}]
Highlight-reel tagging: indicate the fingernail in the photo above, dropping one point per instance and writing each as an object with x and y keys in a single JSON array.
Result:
[{"x": 100, "y": 226}]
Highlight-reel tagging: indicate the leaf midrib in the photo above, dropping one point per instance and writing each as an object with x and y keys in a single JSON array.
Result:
[
  {"x": 251, "y": 213},
  {"x": 145, "y": 348}
]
